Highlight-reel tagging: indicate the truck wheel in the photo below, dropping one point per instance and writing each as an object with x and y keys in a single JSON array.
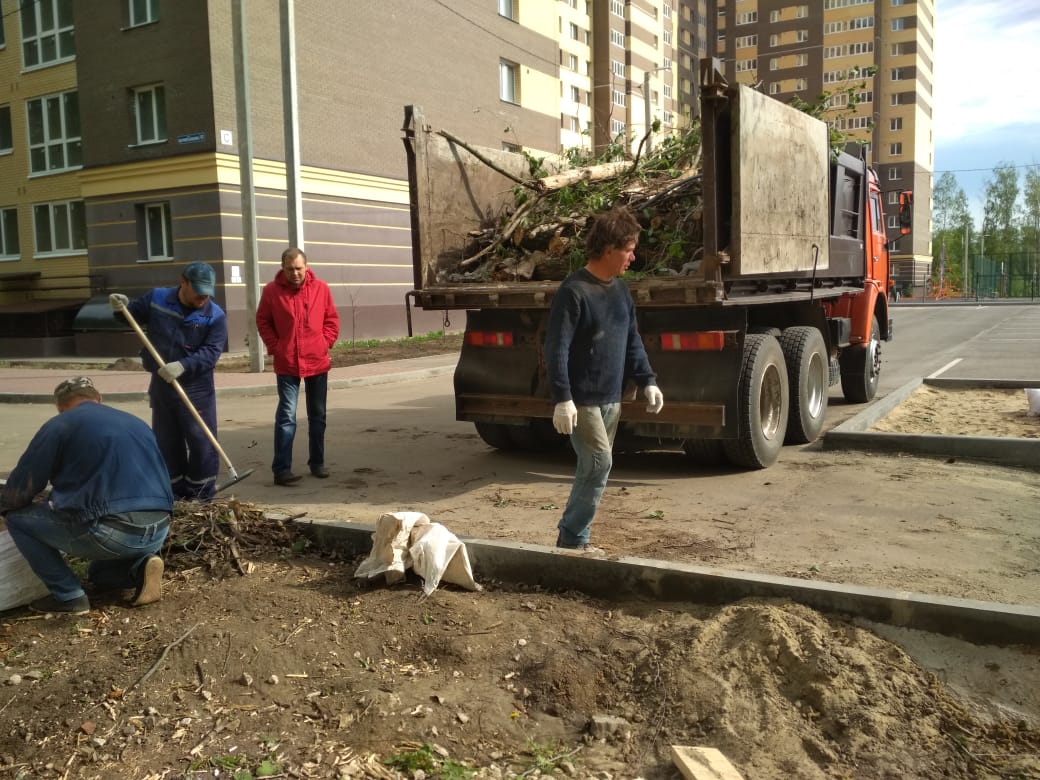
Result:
[
  {"x": 705, "y": 452},
  {"x": 808, "y": 377},
  {"x": 495, "y": 435},
  {"x": 763, "y": 404},
  {"x": 861, "y": 368}
]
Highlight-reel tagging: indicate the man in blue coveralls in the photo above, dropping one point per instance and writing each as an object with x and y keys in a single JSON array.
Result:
[{"x": 189, "y": 330}]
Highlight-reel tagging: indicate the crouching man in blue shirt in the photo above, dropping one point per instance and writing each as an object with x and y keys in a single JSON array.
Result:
[{"x": 110, "y": 501}]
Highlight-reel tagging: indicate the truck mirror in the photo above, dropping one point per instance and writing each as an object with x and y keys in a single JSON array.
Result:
[{"x": 906, "y": 212}]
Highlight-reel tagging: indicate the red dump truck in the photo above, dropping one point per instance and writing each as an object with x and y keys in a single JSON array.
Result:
[{"x": 788, "y": 300}]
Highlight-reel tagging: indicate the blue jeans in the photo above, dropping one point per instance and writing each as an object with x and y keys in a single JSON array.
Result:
[
  {"x": 593, "y": 442},
  {"x": 317, "y": 389},
  {"x": 42, "y": 534}
]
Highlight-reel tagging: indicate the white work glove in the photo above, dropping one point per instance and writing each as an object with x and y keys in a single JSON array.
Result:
[
  {"x": 654, "y": 398},
  {"x": 171, "y": 371},
  {"x": 565, "y": 417},
  {"x": 118, "y": 301}
]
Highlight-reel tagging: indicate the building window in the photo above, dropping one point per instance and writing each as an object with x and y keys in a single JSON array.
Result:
[
  {"x": 801, "y": 12},
  {"x": 619, "y": 98},
  {"x": 617, "y": 38},
  {"x": 617, "y": 68},
  {"x": 147, "y": 11},
  {"x": 774, "y": 41},
  {"x": 9, "y": 233},
  {"x": 508, "y": 87},
  {"x": 746, "y": 41},
  {"x": 899, "y": 24},
  {"x": 893, "y": 174},
  {"x": 667, "y": 90},
  {"x": 667, "y": 35},
  {"x": 800, "y": 85},
  {"x": 895, "y": 149},
  {"x": 150, "y": 108},
  {"x": 6, "y": 140},
  {"x": 617, "y": 128},
  {"x": 47, "y": 32},
  {"x": 575, "y": 95},
  {"x": 774, "y": 17},
  {"x": 510, "y": 147},
  {"x": 572, "y": 62},
  {"x": 747, "y": 18},
  {"x": 801, "y": 36},
  {"x": 893, "y": 222},
  {"x": 666, "y": 118},
  {"x": 507, "y": 8},
  {"x": 893, "y": 198},
  {"x": 617, "y": 7},
  {"x": 666, "y": 11},
  {"x": 54, "y": 134},
  {"x": 154, "y": 219},
  {"x": 60, "y": 226},
  {"x": 774, "y": 88},
  {"x": 896, "y": 123},
  {"x": 574, "y": 31},
  {"x": 3, "y": 41}
]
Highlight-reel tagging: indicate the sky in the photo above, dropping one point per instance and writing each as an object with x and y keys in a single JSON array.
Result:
[{"x": 987, "y": 90}]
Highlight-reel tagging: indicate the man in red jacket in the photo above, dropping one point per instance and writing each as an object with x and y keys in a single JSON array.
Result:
[{"x": 298, "y": 323}]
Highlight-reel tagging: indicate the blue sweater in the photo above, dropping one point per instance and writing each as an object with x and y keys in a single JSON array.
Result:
[
  {"x": 593, "y": 343},
  {"x": 99, "y": 461}
]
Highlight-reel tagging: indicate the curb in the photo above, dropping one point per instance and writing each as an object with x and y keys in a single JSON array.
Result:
[
  {"x": 642, "y": 578},
  {"x": 855, "y": 433}
]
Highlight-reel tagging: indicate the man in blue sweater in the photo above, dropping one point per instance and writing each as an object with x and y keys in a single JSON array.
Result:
[
  {"x": 189, "y": 330},
  {"x": 592, "y": 347},
  {"x": 110, "y": 501}
]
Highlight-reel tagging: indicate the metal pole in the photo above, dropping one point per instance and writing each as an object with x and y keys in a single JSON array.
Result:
[
  {"x": 248, "y": 196},
  {"x": 294, "y": 197},
  {"x": 646, "y": 108}
]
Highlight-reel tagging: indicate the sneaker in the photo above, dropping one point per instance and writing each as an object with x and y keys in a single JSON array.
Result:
[
  {"x": 320, "y": 471},
  {"x": 50, "y": 605},
  {"x": 149, "y": 589},
  {"x": 286, "y": 478},
  {"x": 582, "y": 549}
]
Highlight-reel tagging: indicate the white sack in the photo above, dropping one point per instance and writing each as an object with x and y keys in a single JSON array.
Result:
[
  {"x": 390, "y": 544},
  {"x": 1033, "y": 399},
  {"x": 18, "y": 584},
  {"x": 404, "y": 540},
  {"x": 437, "y": 554}
]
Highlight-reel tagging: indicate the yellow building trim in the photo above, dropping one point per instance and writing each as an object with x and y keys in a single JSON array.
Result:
[{"x": 197, "y": 171}]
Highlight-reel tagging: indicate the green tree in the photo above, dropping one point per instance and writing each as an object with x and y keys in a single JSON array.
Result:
[
  {"x": 999, "y": 215},
  {"x": 952, "y": 220}
]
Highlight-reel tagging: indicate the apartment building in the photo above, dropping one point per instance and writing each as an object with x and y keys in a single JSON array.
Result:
[
  {"x": 119, "y": 148},
  {"x": 119, "y": 145},
  {"x": 797, "y": 48}
]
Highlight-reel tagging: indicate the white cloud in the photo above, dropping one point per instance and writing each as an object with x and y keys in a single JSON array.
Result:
[{"x": 986, "y": 68}]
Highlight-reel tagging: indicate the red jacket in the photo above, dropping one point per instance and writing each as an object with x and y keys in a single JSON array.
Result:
[{"x": 298, "y": 326}]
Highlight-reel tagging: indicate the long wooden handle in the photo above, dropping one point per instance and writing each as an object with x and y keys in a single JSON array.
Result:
[{"x": 180, "y": 391}]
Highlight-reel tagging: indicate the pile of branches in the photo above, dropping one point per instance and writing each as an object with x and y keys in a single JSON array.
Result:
[
  {"x": 541, "y": 237},
  {"x": 222, "y": 536}
]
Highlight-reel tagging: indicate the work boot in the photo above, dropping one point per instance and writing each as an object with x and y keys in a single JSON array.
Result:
[
  {"x": 149, "y": 582},
  {"x": 50, "y": 605},
  {"x": 286, "y": 478},
  {"x": 320, "y": 471},
  {"x": 582, "y": 549}
]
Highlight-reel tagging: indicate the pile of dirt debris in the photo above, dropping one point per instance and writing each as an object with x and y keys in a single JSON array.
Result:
[{"x": 267, "y": 658}]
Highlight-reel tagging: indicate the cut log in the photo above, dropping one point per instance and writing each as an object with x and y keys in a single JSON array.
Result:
[{"x": 600, "y": 172}]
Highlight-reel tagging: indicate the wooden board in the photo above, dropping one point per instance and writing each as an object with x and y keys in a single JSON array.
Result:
[
  {"x": 703, "y": 763},
  {"x": 780, "y": 171}
]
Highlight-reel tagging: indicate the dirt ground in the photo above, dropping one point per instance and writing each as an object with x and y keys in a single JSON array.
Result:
[
  {"x": 963, "y": 412},
  {"x": 267, "y": 658}
]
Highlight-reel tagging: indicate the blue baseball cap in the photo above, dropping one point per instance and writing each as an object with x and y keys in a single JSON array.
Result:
[{"x": 202, "y": 277}]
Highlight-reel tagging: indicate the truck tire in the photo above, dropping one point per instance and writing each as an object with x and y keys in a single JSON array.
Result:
[
  {"x": 808, "y": 377},
  {"x": 495, "y": 435},
  {"x": 705, "y": 452},
  {"x": 763, "y": 400},
  {"x": 535, "y": 435},
  {"x": 861, "y": 368}
]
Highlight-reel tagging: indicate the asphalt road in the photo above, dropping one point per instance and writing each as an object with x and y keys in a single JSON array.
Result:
[{"x": 994, "y": 341}]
